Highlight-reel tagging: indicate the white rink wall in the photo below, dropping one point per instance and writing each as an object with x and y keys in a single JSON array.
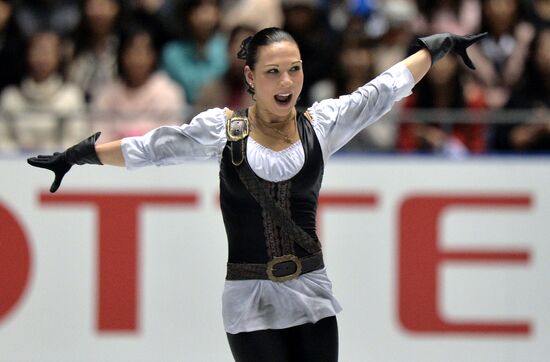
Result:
[{"x": 432, "y": 260}]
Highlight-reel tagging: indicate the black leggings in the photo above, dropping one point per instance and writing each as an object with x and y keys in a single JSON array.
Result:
[{"x": 315, "y": 342}]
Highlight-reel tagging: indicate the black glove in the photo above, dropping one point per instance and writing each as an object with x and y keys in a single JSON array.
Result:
[
  {"x": 60, "y": 163},
  {"x": 440, "y": 44}
]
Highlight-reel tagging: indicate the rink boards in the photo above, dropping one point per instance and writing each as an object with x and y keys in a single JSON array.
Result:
[{"x": 431, "y": 260}]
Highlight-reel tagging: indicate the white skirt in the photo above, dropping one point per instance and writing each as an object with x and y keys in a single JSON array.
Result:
[{"x": 251, "y": 305}]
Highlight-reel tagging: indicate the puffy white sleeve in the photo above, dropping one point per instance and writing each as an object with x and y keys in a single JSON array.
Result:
[
  {"x": 203, "y": 138},
  {"x": 336, "y": 121}
]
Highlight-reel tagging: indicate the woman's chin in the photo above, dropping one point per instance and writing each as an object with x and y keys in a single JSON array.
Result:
[
  {"x": 277, "y": 109},
  {"x": 282, "y": 109}
]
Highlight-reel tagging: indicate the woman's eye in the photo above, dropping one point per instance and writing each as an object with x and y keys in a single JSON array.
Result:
[
  {"x": 295, "y": 68},
  {"x": 273, "y": 71}
]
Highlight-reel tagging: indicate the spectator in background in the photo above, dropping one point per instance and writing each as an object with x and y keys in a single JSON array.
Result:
[
  {"x": 355, "y": 68},
  {"x": 155, "y": 15},
  {"x": 228, "y": 91},
  {"x": 355, "y": 65},
  {"x": 442, "y": 89},
  {"x": 44, "y": 112},
  {"x": 318, "y": 41},
  {"x": 142, "y": 97},
  {"x": 201, "y": 55},
  {"x": 395, "y": 35},
  {"x": 12, "y": 46},
  {"x": 454, "y": 16},
  {"x": 533, "y": 93},
  {"x": 538, "y": 13},
  {"x": 257, "y": 14},
  {"x": 389, "y": 29},
  {"x": 95, "y": 45},
  {"x": 500, "y": 56},
  {"x": 61, "y": 16}
]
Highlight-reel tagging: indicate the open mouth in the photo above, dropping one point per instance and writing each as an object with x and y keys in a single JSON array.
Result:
[{"x": 283, "y": 99}]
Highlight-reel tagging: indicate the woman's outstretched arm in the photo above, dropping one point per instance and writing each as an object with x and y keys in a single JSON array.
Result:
[
  {"x": 110, "y": 153},
  {"x": 418, "y": 64}
]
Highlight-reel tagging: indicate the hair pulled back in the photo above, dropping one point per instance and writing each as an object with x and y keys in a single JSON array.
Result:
[{"x": 250, "y": 46}]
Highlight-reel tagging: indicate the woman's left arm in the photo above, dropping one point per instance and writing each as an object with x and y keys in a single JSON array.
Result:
[
  {"x": 418, "y": 64},
  {"x": 338, "y": 120}
]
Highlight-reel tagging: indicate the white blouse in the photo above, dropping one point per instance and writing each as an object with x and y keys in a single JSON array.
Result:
[{"x": 249, "y": 305}]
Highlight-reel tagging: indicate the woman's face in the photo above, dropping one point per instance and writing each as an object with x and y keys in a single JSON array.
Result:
[
  {"x": 204, "y": 20},
  {"x": 101, "y": 15},
  {"x": 278, "y": 78},
  {"x": 500, "y": 13},
  {"x": 43, "y": 55},
  {"x": 138, "y": 60},
  {"x": 542, "y": 7}
]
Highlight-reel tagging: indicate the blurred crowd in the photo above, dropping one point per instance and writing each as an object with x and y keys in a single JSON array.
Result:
[{"x": 72, "y": 67}]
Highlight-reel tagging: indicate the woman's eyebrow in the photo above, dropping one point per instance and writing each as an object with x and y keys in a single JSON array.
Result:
[{"x": 277, "y": 65}]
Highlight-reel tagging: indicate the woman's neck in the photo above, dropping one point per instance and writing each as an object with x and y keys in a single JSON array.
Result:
[
  {"x": 271, "y": 120},
  {"x": 273, "y": 131}
]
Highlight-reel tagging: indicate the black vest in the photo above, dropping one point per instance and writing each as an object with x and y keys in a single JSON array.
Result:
[{"x": 252, "y": 237}]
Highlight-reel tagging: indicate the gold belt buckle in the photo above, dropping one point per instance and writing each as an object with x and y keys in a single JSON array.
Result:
[
  {"x": 237, "y": 128},
  {"x": 283, "y": 259}
]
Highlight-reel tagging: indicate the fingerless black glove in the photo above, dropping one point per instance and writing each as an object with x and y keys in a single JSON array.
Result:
[
  {"x": 440, "y": 44},
  {"x": 60, "y": 163}
]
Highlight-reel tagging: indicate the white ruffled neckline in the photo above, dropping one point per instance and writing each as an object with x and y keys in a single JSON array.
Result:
[
  {"x": 275, "y": 166},
  {"x": 267, "y": 149}
]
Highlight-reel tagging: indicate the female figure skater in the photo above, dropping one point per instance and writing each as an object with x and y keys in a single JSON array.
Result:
[{"x": 277, "y": 301}]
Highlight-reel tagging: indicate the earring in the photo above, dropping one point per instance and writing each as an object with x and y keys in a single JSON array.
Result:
[{"x": 252, "y": 85}]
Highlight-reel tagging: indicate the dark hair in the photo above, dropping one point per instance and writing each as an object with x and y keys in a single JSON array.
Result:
[
  {"x": 61, "y": 65},
  {"x": 430, "y": 7},
  {"x": 183, "y": 11},
  {"x": 82, "y": 36},
  {"x": 237, "y": 29},
  {"x": 250, "y": 45},
  {"x": 129, "y": 32}
]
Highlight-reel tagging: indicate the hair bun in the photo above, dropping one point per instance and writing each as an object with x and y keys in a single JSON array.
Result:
[{"x": 243, "y": 52}]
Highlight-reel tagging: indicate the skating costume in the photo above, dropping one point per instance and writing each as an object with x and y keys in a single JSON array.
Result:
[{"x": 292, "y": 178}]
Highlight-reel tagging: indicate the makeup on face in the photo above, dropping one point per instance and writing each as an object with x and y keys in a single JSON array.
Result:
[{"x": 278, "y": 77}]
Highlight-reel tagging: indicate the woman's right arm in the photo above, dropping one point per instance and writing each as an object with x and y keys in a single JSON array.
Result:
[
  {"x": 111, "y": 153},
  {"x": 203, "y": 138}
]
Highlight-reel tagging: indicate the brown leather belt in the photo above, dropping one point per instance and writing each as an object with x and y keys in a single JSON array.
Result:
[{"x": 280, "y": 269}]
